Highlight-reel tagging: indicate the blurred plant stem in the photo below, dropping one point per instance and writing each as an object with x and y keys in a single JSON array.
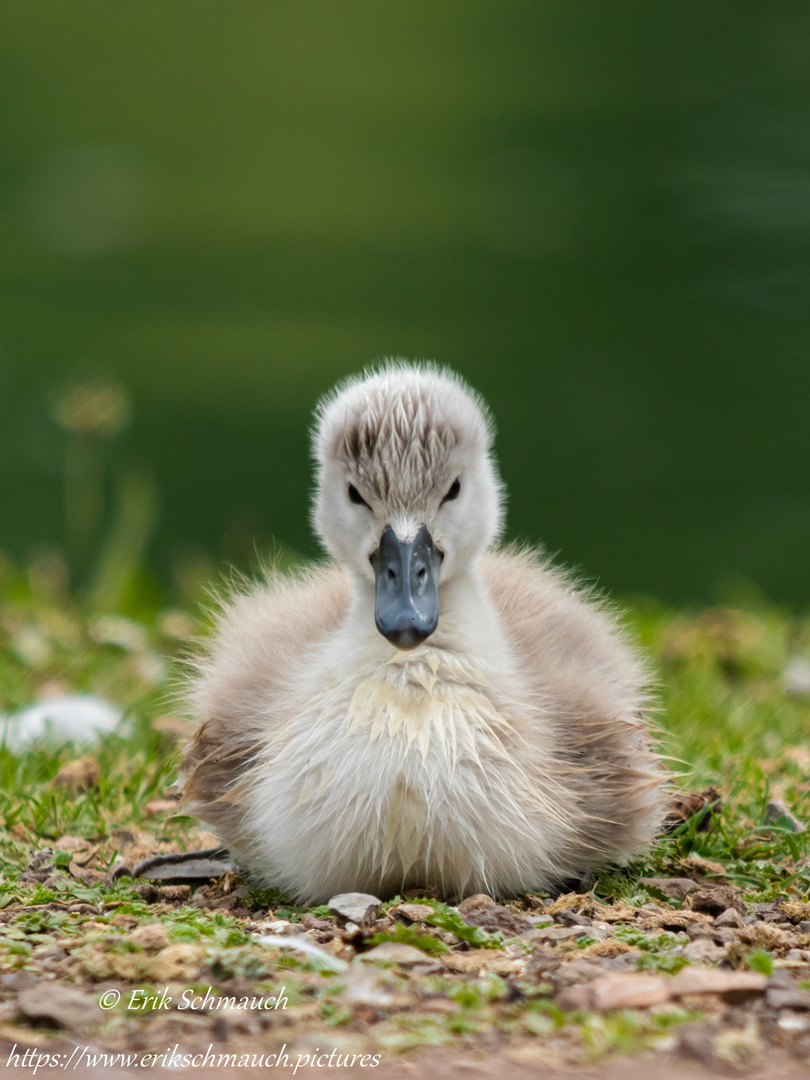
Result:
[
  {"x": 84, "y": 498},
  {"x": 122, "y": 554},
  {"x": 91, "y": 413}
]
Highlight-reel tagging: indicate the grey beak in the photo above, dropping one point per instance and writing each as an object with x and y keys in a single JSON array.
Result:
[{"x": 406, "y": 610}]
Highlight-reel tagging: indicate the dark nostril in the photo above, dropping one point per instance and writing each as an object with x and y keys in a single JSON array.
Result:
[
  {"x": 391, "y": 574},
  {"x": 421, "y": 573}
]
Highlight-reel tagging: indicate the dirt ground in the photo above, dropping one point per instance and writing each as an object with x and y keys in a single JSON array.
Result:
[{"x": 452, "y": 1065}]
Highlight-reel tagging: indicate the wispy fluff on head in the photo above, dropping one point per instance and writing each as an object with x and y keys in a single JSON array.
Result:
[{"x": 401, "y": 428}]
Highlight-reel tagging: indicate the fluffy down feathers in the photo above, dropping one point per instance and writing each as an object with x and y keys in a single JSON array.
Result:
[
  {"x": 581, "y": 784},
  {"x": 507, "y": 753}
]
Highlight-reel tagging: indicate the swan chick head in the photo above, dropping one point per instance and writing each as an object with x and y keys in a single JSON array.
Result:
[{"x": 407, "y": 493}]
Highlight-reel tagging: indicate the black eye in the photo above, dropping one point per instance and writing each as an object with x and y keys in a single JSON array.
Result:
[
  {"x": 356, "y": 497},
  {"x": 453, "y": 493}
]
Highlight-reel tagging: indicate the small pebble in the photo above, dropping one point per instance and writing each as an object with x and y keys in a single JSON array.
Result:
[
  {"x": 730, "y": 917},
  {"x": 359, "y": 908}
]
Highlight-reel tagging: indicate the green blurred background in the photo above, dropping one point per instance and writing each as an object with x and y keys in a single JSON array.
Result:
[{"x": 598, "y": 213}]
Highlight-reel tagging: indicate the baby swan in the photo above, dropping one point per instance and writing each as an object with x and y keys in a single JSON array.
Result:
[{"x": 428, "y": 710}]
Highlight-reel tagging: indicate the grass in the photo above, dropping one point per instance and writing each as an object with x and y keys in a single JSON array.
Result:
[{"x": 728, "y": 719}]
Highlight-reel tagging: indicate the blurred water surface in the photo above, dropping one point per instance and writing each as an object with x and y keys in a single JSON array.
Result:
[{"x": 598, "y": 213}]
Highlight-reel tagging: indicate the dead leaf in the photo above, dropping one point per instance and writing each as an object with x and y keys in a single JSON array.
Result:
[
  {"x": 685, "y": 805},
  {"x": 579, "y": 901},
  {"x": 606, "y": 949},
  {"x": 796, "y": 910},
  {"x": 766, "y": 935},
  {"x": 79, "y": 775},
  {"x": 618, "y": 912},
  {"x": 703, "y": 866},
  {"x": 85, "y": 874},
  {"x": 738, "y": 1047},
  {"x": 673, "y": 920}
]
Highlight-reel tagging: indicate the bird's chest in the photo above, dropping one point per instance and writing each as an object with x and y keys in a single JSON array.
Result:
[
  {"x": 404, "y": 735},
  {"x": 408, "y": 771}
]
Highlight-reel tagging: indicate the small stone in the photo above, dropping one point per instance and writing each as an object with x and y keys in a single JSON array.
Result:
[
  {"x": 569, "y": 917},
  {"x": 732, "y": 985},
  {"x": 49, "y": 952},
  {"x": 725, "y": 935},
  {"x": 393, "y": 952},
  {"x": 703, "y": 951},
  {"x": 546, "y": 920},
  {"x": 770, "y": 912},
  {"x": 312, "y": 922},
  {"x": 71, "y": 843},
  {"x": 695, "y": 1039},
  {"x": 631, "y": 991},
  {"x": 554, "y": 933},
  {"x": 178, "y": 963},
  {"x": 625, "y": 962},
  {"x": 778, "y": 810},
  {"x": 414, "y": 912},
  {"x": 575, "y": 972},
  {"x": 699, "y": 930},
  {"x": 476, "y": 903},
  {"x": 41, "y": 860},
  {"x": 496, "y": 918},
  {"x": 787, "y": 999},
  {"x": 780, "y": 980},
  {"x": 543, "y": 963},
  {"x": 804, "y": 926},
  {"x": 791, "y": 1021},
  {"x": 360, "y": 908},
  {"x": 730, "y": 917},
  {"x": 152, "y": 937},
  {"x": 675, "y": 887},
  {"x": 714, "y": 900},
  {"x": 59, "y": 1006}
]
